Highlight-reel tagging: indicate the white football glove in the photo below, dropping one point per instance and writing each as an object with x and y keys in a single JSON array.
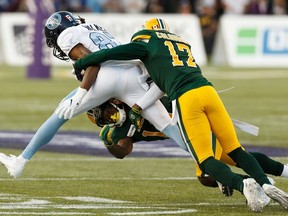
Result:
[{"x": 67, "y": 108}]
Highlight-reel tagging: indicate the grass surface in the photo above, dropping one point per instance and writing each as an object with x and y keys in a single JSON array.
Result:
[{"x": 64, "y": 184}]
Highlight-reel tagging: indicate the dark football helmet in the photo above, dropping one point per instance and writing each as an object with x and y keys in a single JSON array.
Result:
[
  {"x": 108, "y": 113},
  {"x": 57, "y": 23}
]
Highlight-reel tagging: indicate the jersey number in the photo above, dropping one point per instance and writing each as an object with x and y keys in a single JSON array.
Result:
[
  {"x": 175, "y": 58},
  {"x": 103, "y": 40}
]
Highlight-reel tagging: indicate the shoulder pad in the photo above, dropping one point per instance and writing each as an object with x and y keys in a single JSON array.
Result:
[{"x": 142, "y": 35}]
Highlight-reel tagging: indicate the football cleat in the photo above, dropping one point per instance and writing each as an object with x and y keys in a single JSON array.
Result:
[
  {"x": 226, "y": 190},
  {"x": 276, "y": 194},
  {"x": 13, "y": 164},
  {"x": 256, "y": 198}
]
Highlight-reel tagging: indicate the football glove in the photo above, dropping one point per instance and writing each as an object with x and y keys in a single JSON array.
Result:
[
  {"x": 78, "y": 73},
  {"x": 105, "y": 135},
  {"x": 136, "y": 119},
  {"x": 67, "y": 108}
]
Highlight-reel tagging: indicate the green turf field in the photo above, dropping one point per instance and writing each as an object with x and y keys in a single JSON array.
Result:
[
  {"x": 62, "y": 184},
  {"x": 65, "y": 184}
]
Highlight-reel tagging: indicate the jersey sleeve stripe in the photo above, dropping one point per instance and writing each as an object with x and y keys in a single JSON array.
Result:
[{"x": 141, "y": 37}]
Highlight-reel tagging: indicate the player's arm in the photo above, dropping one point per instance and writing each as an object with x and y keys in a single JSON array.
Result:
[
  {"x": 149, "y": 98},
  {"x": 87, "y": 79},
  {"x": 118, "y": 149},
  {"x": 90, "y": 75},
  {"x": 122, "y": 148},
  {"x": 135, "y": 50}
]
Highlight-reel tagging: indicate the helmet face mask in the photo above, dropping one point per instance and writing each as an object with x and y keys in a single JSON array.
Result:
[
  {"x": 56, "y": 24},
  {"x": 108, "y": 114},
  {"x": 156, "y": 24}
]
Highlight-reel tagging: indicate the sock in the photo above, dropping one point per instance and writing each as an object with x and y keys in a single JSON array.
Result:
[
  {"x": 269, "y": 165},
  {"x": 285, "y": 171},
  {"x": 250, "y": 165},
  {"x": 44, "y": 134},
  {"x": 173, "y": 132},
  {"x": 222, "y": 173}
]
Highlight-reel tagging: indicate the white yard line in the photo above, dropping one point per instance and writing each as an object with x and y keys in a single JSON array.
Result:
[
  {"x": 155, "y": 212},
  {"x": 110, "y": 179},
  {"x": 45, "y": 213}
]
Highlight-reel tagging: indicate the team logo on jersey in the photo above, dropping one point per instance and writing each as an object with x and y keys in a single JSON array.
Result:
[{"x": 54, "y": 21}]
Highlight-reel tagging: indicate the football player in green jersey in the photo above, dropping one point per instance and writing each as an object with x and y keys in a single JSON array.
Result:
[
  {"x": 118, "y": 139},
  {"x": 198, "y": 108},
  {"x": 117, "y": 133}
]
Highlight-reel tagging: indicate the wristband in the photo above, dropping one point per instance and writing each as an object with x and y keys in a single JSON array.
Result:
[{"x": 137, "y": 111}]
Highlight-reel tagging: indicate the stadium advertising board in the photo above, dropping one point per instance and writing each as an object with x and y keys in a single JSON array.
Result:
[
  {"x": 14, "y": 34},
  {"x": 252, "y": 41}
]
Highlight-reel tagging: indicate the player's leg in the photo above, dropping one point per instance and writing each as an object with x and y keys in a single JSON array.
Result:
[
  {"x": 102, "y": 90},
  {"x": 270, "y": 166},
  {"x": 44, "y": 134},
  {"x": 196, "y": 128},
  {"x": 222, "y": 127},
  {"x": 224, "y": 130}
]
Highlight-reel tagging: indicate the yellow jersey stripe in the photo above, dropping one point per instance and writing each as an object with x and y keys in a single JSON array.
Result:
[{"x": 141, "y": 37}]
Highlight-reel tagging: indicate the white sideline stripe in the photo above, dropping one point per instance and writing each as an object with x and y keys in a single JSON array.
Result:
[
  {"x": 110, "y": 179},
  {"x": 45, "y": 213},
  {"x": 95, "y": 200},
  {"x": 95, "y": 158},
  {"x": 155, "y": 212}
]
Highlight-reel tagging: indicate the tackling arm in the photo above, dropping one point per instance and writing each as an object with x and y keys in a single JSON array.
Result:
[
  {"x": 150, "y": 97},
  {"x": 122, "y": 148},
  {"x": 122, "y": 52},
  {"x": 90, "y": 75}
]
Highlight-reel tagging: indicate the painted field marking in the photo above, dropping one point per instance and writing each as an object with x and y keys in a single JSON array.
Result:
[
  {"x": 155, "y": 212},
  {"x": 45, "y": 204},
  {"x": 110, "y": 179},
  {"x": 45, "y": 213}
]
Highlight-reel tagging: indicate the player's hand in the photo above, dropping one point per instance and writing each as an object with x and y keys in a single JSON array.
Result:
[
  {"x": 77, "y": 73},
  {"x": 105, "y": 135},
  {"x": 67, "y": 108},
  {"x": 136, "y": 118}
]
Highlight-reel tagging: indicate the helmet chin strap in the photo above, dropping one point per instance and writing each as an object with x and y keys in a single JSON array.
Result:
[{"x": 121, "y": 116}]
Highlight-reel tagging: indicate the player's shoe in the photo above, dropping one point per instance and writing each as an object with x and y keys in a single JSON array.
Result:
[
  {"x": 263, "y": 198},
  {"x": 276, "y": 194},
  {"x": 14, "y": 164},
  {"x": 226, "y": 190},
  {"x": 255, "y": 196}
]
